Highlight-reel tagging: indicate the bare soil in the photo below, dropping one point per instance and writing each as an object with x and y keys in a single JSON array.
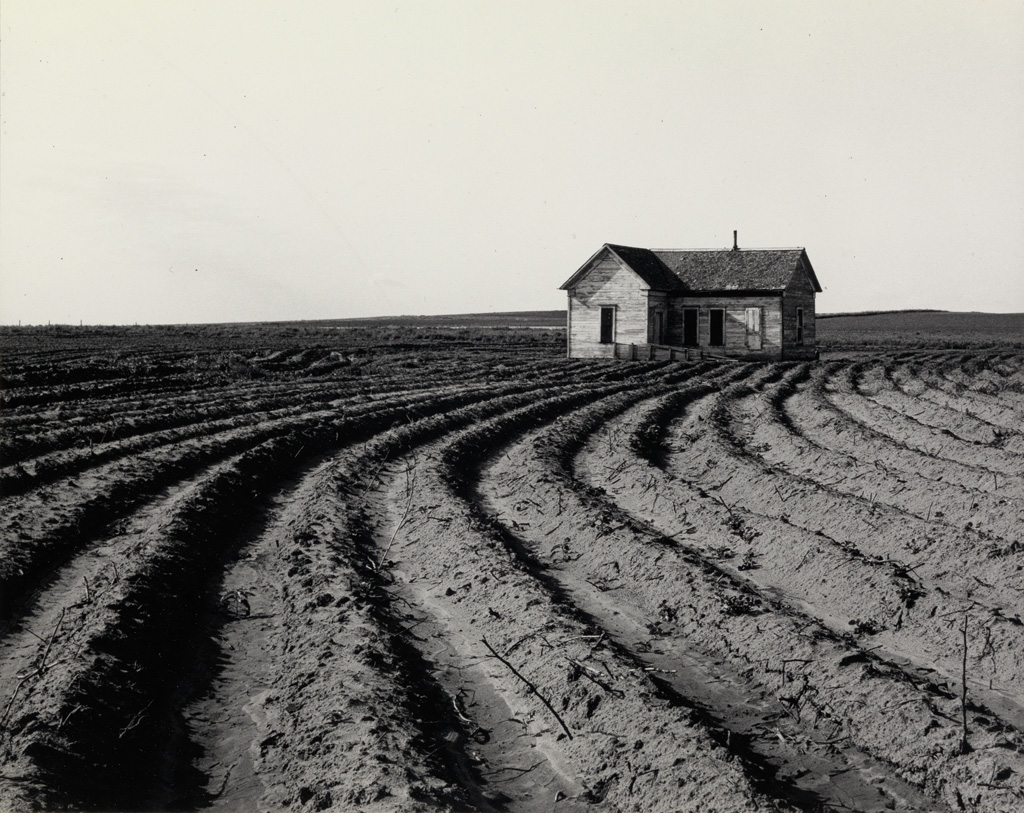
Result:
[{"x": 455, "y": 577}]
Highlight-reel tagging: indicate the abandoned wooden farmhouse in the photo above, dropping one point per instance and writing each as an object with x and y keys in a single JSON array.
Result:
[{"x": 641, "y": 303}]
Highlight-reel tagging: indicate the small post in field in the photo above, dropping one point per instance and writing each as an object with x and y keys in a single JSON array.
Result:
[{"x": 965, "y": 747}]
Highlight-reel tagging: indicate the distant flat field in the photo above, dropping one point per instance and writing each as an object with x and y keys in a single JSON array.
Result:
[
  {"x": 914, "y": 329},
  {"x": 534, "y": 319},
  {"x": 910, "y": 329}
]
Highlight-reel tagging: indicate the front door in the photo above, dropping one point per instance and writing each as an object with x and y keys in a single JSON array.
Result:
[
  {"x": 717, "y": 327},
  {"x": 658, "y": 334},
  {"x": 690, "y": 327},
  {"x": 752, "y": 318}
]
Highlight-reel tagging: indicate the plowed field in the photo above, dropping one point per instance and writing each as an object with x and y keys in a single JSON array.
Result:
[{"x": 477, "y": 577}]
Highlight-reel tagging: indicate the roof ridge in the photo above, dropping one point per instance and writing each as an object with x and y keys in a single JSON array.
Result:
[{"x": 751, "y": 248}]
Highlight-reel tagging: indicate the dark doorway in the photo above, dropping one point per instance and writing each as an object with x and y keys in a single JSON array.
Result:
[
  {"x": 607, "y": 325},
  {"x": 717, "y": 327},
  {"x": 690, "y": 327}
]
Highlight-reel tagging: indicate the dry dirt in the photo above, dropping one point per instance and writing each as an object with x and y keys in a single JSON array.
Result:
[{"x": 433, "y": 579}]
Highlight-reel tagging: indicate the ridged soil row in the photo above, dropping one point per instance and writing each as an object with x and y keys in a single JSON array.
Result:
[
  {"x": 916, "y": 507},
  {"x": 557, "y": 716},
  {"x": 842, "y": 560},
  {"x": 881, "y": 387},
  {"x": 842, "y": 389},
  {"x": 89, "y": 720},
  {"x": 806, "y": 411},
  {"x": 41, "y": 528},
  {"x": 911, "y": 380},
  {"x": 1006, "y": 383},
  {"x": 862, "y": 702},
  {"x": 314, "y": 700},
  {"x": 295, "y": 716},
  {"x": 110, "y": 419},
  {"x": 100, "y": 695},
  {"x": 89, "y": 724},
  {"x": 377, "y": 377},
  {"x": 925, "y": 382},
  {"x": 627, "y": 579},
  {"x": 95, "y": 425},
  {"x": 33, "y": 472}
]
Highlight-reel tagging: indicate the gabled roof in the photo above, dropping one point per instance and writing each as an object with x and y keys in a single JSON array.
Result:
[{"x": 705, "y": 271}]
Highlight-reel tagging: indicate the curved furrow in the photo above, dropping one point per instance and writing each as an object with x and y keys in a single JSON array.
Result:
[
  {"x": 316, "y": 433},
  {"x": 491, "y": 631},
  {"x": 247, "y": 572},
  {"x": 883, "y": 510},
  {"x": 43, "y": 528},
  {"x": 788, "y": 428},
  {"x": 624, "y": 578},
  {"x": 1006, "y": 384},
  {"x": 920, "y": 382},
  {"x": 842, "y": 390},
  {"x": 695, "y": 604},
  {"x": 311, "y": 696},
  {"x": 312, "y": 548},
  {"x": 57, "y": 429},
  {"x": 70, "y": 720},
  {"x": 48, "y": 468},
  {"x": 38, "y": 432},
  {"x": 843, "y": 561},
  {"x": 880, "y": 387},
  {"x": 89, "y": 721},
  {"x": 808, "y": 411},
  {"x": 989, "y": 400}
]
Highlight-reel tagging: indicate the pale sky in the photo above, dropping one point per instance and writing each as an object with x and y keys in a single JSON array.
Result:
[{"x": 166, "y": 162}]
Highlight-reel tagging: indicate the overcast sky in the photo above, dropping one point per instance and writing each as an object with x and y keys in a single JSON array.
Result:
[{"x": 237, "y": 161}]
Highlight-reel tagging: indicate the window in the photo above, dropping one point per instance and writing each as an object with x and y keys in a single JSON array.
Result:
[
  {"x": 717, "y": 338},
  {"x": 799, "y": 325},
  {"x": 752, "y": 323},
  {"x": 690, "y": 327},
  {"x": 608, "y": 325}
]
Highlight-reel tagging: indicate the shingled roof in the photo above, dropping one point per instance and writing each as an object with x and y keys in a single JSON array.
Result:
[{"x": 704, "y": 271}]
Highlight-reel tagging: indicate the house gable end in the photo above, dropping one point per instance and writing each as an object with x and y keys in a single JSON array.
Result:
[
  {"x": 604, "y": 253},
  {"x": 804, "y": 276}
]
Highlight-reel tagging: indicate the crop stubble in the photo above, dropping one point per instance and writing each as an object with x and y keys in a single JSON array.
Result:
[{"x": 488, "y": 578}]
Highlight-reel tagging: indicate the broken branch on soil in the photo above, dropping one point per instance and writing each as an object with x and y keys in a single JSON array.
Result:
[
  {"x": 405, "y": 516},
  {"x": 530, "y": 686},
  {"x": 42, "y": 662}
]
